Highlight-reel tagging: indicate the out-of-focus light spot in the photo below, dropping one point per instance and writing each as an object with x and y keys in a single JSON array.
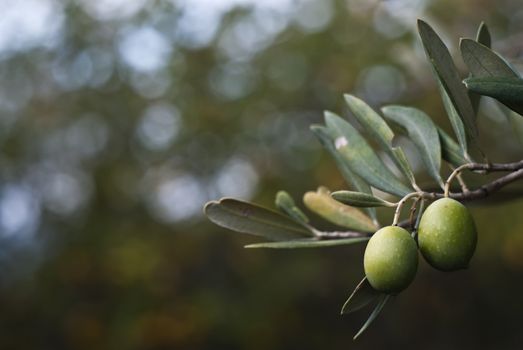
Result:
[
  {"x": 112, "y": 9},
  {"x": 103, "y": 64},
  {"x": 29, "y": 23},
  {"x": 200, "y": 20},
  {"x": 92, "y": 67},
  {"x": 237, "y": 178},
  {"x": 405, "y": 10},
  {"x": 197, "y": 25},
  {"x": 151, "y": 84},
  {"x": 360, "y": 8},
  {"x": 64, "y": 193},
  {"x": 159, "y": 126},
  {"x": 381, "y": 84},
  {"x": 177, "y": 198},
  {"x": 393, "y": 18},
  {"x": 145, "y": 49},
  {"x": 313, "y": 16},
  {"x": 74, "y": 74},
  {"x": 232, "y": 81},
  {"x": 19, "y": 211},
  {"x": 86, "y": 137},
  {"x": 387, "y": 25},
  {"x": 288, "y": 72},
  {"x": 249, "y": 35}
]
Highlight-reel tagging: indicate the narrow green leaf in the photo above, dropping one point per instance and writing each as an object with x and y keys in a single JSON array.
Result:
[
  {"x": 483, "y": 62},
  {"x": 362, "y": 295},
  {"x": 250, "y": 218},
  {"x": 286, "y": 204},
  {"x": 359, "y": 199},
  {"x": 508, "y": 91},
  {"x": 483, "y": 35},
  {"x": 450, "y": 150},
  {"x": 308, "y": 243},
  {"x": 361, "y": 158},
  {"x": 381, "y": 303},
  {"x": 455, "y": 120},
  {"x": 381, "y": 132},
  {"x": 422, "y": 131},
  {"x": 322, "y": 204},
  {"x": 327, "y": 141},
  {"x": 450, "y": 81}
]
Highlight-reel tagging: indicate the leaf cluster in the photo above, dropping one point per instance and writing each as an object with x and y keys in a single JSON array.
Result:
[{"x": 352, "y": 148}]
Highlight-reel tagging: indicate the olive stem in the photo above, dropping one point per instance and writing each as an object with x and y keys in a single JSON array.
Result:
[
  {"x": 486, "y": 167},
  {"x": 451, "y": 177},
  {"x": 516, "y": 173},
  {"x": 400, "y": 206},
  {"x": 418, "y": 218},
  {"x": 461, "y": 181},
  {"x": 413, "y": 210}
]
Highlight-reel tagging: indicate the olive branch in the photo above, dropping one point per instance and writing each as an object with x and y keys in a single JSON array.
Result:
[{"x": 490, "y": 75}]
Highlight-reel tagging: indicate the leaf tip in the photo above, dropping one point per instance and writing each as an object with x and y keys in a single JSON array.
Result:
[
  {"x": 422, "y": 24},
  {"x": 343, "y": 310},
  {"x": 207, "y": 205},
  {"x": 315, "y": 127},
  {"x": 349, "y": 97}
]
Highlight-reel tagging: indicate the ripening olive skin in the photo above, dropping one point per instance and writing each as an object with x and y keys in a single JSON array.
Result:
[
  {"x": 391, "y": 260},
  {"x": 447, "y": 235}
]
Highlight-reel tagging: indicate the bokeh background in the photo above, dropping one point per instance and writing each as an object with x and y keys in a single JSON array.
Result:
[{"x": 119, "y": 119}]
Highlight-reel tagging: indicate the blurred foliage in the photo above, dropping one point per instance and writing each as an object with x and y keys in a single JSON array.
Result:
[{"x": 119, "y": 119}]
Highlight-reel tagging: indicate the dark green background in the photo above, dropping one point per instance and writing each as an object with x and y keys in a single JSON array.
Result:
[{"x": 103, "y": 241}]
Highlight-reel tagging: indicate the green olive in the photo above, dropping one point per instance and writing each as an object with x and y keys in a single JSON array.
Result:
[
  {"x": 447, "y": 235},
  {"x": 391, "y": 259}
]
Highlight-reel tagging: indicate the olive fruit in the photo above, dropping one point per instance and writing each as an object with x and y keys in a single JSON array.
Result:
[
  {"x": 447, "y": 235},
  {"x": 391, "y": 259}
]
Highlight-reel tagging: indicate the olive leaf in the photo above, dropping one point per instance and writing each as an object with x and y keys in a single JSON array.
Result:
[
  {"x": 455, "y": 121},
  {"x": 322, "y": 204},
  {"x": 508, "y": 91},
  {"x": 327, "y": 141},
  {"x": 250, "y": 218},
  {"x": 455, "y": 96},
  {"x": 450, "y": 150},
  {"x": 359, "y": 199},
  {"x": 381, "y": 132},
  {"x": 286, "y": 204},
  {"x": 483, "y": 62},
  {"x": 381, "y": 303},
  {"x": 361, "y": 158},
  {"x": 482, "y": 37},
  {"x": 422, "y": 132},
  {"x": 362, "y": 295},
  {"x": 308, "y": 243}
]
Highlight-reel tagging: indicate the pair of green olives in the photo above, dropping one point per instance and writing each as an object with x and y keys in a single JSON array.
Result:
[{"x": 446, "y": 238}]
